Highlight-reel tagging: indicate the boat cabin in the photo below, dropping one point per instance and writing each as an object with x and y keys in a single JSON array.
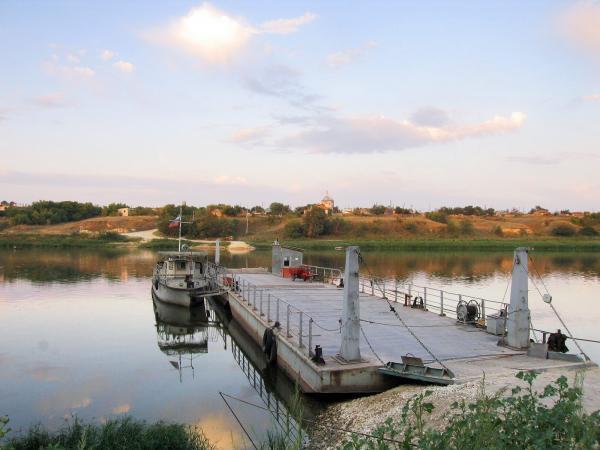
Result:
[{"x": 181, "y": 265}]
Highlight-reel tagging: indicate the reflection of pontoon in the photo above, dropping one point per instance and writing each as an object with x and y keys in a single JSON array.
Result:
[
  {"x": 180, "y": 278},
  {"x": 183, "y": 333}
]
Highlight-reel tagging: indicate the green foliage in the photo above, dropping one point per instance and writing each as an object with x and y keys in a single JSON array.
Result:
[
  {"x": 294, "y": 229},
  {"x": 315, "y": 222},
  {"x": 451, "y": 228},
  {"x": 588, "y": 231},
  {"x": 378, "y": 210},
  {"x": 466, "y": 227},
  {"x": 118, "y": 434},
  {"x": 142, "y": 211},
  {"x": 113, "y": 209},
  {"x": 49, "y": 212},
  {"x": 278, "y": 209},
  {"x": 337, "y": 225},
  {"x": 399, "y": 210},
  {"x": 4, "y": 428},
  {"x": 437, "y": 216},
  {"x": 498, "y": 231},
  {"x": 525, "y": 419},
  {"x": 75, "y": 240},
  {"x": 411, "y": 227},
  {"x": 468, "y": 211},
  {"x": 563, "y": 229}
]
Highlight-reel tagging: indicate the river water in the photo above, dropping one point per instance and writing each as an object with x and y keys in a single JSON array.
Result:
[{"x": 80, "y": 335}]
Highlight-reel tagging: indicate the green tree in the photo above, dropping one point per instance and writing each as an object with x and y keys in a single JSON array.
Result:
[
  {"x": 378, "y": 210},
  {"x": 279, "y": 209},
  {"x": 315, "y": 222}
]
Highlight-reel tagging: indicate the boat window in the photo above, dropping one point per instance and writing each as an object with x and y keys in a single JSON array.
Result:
[
  {"x": 180, "y": 265},
  {"x": 286, "y": 261},
  {"x": 170, "y": 266}
]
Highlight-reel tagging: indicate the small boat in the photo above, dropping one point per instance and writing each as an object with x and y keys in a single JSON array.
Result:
[{"x": 181, "y": 278}]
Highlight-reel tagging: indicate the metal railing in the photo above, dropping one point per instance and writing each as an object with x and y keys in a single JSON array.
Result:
[
  {"x": 324, "y": 274},
  {"x": 298, "y": 327},
  {"x": 431, "y": 299}
]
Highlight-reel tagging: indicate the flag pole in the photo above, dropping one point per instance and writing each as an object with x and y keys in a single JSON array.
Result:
[{"x": 180, "y": 220}]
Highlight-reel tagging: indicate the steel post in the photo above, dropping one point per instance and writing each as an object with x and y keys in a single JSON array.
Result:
[
  {"x": 442, "y": 303},
  {"x": 425, "y": 298},
  {"x": 310, "y": 324},
  {"x": 287, "y": 322},
  {"x": 483, "y": 310},
  {"x": 268, "y": 308},
  {"x": 277, "y": 312},
  {"x": 300, "y": 331},
  {"x": 260, "y": 311}
]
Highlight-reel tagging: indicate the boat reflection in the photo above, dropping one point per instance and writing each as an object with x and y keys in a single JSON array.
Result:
[{"x": 183, "y": 333}]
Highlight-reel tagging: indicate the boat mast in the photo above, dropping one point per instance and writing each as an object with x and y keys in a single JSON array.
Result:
[{"x": 180, "y": 220}]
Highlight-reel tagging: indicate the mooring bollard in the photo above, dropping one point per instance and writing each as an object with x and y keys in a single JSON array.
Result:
[
  {"x": 287, "y": 322},
  {"x": 268, "y": 308},
  {"x": 442, "y": 303},
  {"x": 310, "y": 323},
  {"x": 300, "y": 332}
]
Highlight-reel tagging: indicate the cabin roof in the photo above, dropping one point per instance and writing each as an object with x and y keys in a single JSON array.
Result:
[{"x": 182, "y": 255}]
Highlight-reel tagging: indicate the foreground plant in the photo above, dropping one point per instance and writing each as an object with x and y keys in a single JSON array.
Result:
[
  {"x": 124, "y": 433},
  {"x": 525, "y": 419}
]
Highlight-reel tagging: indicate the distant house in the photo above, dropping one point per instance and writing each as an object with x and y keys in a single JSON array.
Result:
[
  {"x": 123, "y": 212},
  {"x": 347, "y": 211},
  {"x": 216, "y": 212}
]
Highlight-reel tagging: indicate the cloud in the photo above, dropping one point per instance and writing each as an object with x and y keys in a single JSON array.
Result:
[
  {"x": 124, "y": 66},
  {"x": 380, "y": 134},
  {"x": 53, "y": 100},
  {"x": 248, "y": 135},
  {"x": 215, "y": 36},
  {"x": 430, "y": 116},
  {"x": 282, "y": 82},
  {"x": 345, "y": 57},
  {"x": 69, "y": 72},
  {"x": 287, "y": 26},
  {"x": 592, "y": 98},
  {"x": 581, "y": 24},
  {"x": 230, "y": 179},
  {"x": 205, "y": 32},
  {"x": 107, "y": 55},
  {"x": 553, "y": 159}
]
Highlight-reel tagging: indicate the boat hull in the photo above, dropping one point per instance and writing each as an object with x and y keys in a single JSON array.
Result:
[{"x": 177, "y": 296}]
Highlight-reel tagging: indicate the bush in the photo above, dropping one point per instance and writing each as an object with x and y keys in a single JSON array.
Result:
[
  {"x": 315, "y": 222},
  {"x": 588, "y": 231},
  {"x": 48, "y": 212},
  {"x": 294, "y": 229},
  {"x": 497, "y": 230},
  {"x": 563, "y": 229},
  {"x": 411, "y": 227},
  {"x": 451, "y": 227},
  {"x": 437, "y": 216},
  {"x": 525, "y": 419},
  {"x": 466, "y": 227}
]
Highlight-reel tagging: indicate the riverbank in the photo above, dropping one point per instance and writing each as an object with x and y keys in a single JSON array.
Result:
[
  {"x": 547, "y": 245},
  {"x": 153, "y": 241},
  {"x": 367, "y": 414}
]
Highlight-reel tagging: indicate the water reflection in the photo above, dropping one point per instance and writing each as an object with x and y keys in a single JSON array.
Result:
[
  {"x": 81, "y": 335},
  {"x": 182, "y": 334},
  {"x": 64, "y": 266}
]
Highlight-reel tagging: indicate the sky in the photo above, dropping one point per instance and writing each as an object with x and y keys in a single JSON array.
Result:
[{"x": 419, "y": 104}]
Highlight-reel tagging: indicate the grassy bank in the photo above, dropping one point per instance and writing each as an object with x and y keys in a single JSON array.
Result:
[
  {"x": 549, "y": 245},
  {"x": 76, "y": 240},
  {"x": 124, "y": 433}
]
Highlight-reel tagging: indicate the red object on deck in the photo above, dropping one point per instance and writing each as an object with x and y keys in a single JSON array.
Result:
[{"x": 296, "y": 273}]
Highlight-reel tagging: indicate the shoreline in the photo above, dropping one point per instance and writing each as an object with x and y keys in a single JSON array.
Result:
[{"x": 111, "y": 240}]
